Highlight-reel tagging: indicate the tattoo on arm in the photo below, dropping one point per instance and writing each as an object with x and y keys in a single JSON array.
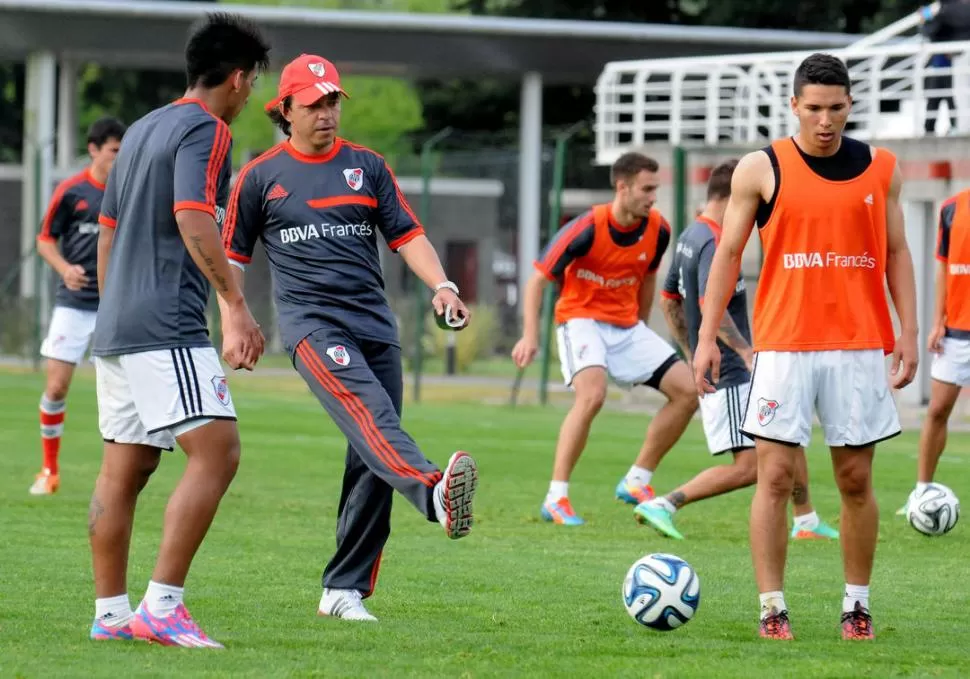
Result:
[
  {"x": 95, "y": 511},
  {"x": 799, "y": 494},
  {"x": 677, "y": 499},
  {"x": 219, "y": 281},
  {"x": 731, "y": 336},
  {"x": 677, "y": 321}
]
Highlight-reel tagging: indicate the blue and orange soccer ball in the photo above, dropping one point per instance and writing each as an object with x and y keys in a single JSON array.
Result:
[{"x": 661, "y": 591}]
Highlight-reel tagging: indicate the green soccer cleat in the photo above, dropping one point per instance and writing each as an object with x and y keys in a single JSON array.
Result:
[
  {"x": 822, "y": 531},
  {"x": 661, "y": 520}
]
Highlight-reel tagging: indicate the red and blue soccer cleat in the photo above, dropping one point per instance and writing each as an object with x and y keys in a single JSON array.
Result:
[
  {"x": 177, "y": 629},
  {"x": 102, "y": 632}
]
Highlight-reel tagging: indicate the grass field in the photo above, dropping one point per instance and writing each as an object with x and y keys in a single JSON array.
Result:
[{"x": 516, "y": 598}]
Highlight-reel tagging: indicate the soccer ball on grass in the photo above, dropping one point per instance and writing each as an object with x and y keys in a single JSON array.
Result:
[
  {"x": 933, "y": 511},
  {"x": 661, "y": 591}
]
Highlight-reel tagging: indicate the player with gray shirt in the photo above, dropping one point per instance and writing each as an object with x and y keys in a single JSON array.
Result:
[
  {"x": 722, "y": 412},
  {"x": 159, "y": 380}
]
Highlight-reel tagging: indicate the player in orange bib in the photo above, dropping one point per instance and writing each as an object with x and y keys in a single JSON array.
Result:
[
  {"x": 605, "y": 262},
  {"x": 949, "y": 339},
  {"x": 831, "y": 227}
]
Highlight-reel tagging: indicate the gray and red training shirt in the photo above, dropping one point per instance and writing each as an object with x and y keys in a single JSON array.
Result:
[
  {"x": 177, "y": 157},
  {"x": 72, "y": 219},
  {"x": 318, "y": 218}
]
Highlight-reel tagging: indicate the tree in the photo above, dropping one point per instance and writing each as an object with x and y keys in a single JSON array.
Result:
[
  {"x": 379, "y": 114},
  {"x": 11, "y": 111},
  {"x": 487, "y": 104},
  {"x": 125, "y": 94}
]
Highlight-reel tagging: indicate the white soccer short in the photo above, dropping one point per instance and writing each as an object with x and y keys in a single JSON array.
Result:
[
  {"x": 69, "y": 334},
  {"x": 722, "y": 414},
  {"x": 631, "y": 355},
  {"x": 953, "y": 365},
  {"x": 848, "y": 390},
  {"x": 152, "y": 397}
]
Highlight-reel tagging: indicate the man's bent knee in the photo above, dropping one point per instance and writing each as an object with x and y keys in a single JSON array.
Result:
[
  {"x": 215, "y": 443},
  {"x": 126, "y": 467},
  {"x": 148, "y": 466},
  {"x": 59, "y": 376},
  {"x": 939, "y": 410},
  {"x": 678, "y": 386},
  {"x": 590, "y": 388}
]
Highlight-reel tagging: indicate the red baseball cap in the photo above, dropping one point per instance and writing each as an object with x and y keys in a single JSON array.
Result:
[{"x": 306, "y": 79}]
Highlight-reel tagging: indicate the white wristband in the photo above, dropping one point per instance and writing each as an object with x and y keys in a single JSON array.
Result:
[{"x": 447, "y": 285}]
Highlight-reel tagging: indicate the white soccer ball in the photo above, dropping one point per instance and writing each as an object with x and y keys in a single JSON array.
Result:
[
  {"x": 661, "y": 591},
  {"x": 934, "y": 511}
]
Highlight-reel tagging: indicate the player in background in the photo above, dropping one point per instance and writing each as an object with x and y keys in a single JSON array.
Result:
[
  {"x": 317, "y": 202},
  {"x": 71, "y": 221},
  {"x": 681, "y": 300},
  {"x": 159, "y": 380},
  {"x": 821, "y": 325},
  {"x": 605, "y": 262},
  {"x": 949, "y": 339}
]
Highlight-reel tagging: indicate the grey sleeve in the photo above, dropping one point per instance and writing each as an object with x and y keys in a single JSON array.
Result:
[
  {"x": 671, "y": 289},
  {"x": 399, "y": 225},
  {"x": 244, "y": 218},
  {"x": 109, "y": 202},
  {"x": 199, "y": 162},
  {"x": 704, "y": 259}
]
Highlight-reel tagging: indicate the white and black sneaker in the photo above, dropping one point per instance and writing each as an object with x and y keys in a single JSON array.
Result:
[
  {"x": 454, "y": 494},
  {"x": 344, "y": 603}
]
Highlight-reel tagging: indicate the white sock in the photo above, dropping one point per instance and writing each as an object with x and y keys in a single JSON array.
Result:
[
  {"x": 638, "y": 476},
  {"x": 557, "y": 491},
  {"x": 854, "y": 593},
  {"x": 807, "y": 521},
  {"x": 439, "y": 504},
  {"x": 664, "y": 503},
  {"x": 921, "y": 486},
  {"x": 113, "y": 611},
  {"x": 772, "y": 603},
  {"x": 162, "y": 600}
]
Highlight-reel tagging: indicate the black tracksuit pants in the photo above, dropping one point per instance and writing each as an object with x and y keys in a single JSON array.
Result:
[{"x": 360, "y": 384}]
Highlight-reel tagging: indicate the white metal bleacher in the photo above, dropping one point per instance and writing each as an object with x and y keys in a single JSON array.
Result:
[{"x": 744, "y": 99}]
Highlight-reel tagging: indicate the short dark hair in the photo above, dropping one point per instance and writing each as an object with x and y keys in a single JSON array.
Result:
[
  {"x": 277, "y": 118},
  {"x": 220, "y": 44},
  {"x": 719, "y": 183},
  {"x": 821, "y": 69},
  {"x": 629, "y": 165},
  {"x": 105, "y": 129}
]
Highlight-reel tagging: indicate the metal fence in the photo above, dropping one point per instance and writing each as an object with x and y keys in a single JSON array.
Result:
[{"x": 425, "y": 177}]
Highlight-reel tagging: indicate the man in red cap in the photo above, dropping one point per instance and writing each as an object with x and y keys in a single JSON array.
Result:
[{"x": 317, "y": 203}]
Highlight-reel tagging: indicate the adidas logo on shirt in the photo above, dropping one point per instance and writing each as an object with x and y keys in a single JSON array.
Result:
[
  {"x": 276, "y": 193},
  {"x": 868, "y": 200}
]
